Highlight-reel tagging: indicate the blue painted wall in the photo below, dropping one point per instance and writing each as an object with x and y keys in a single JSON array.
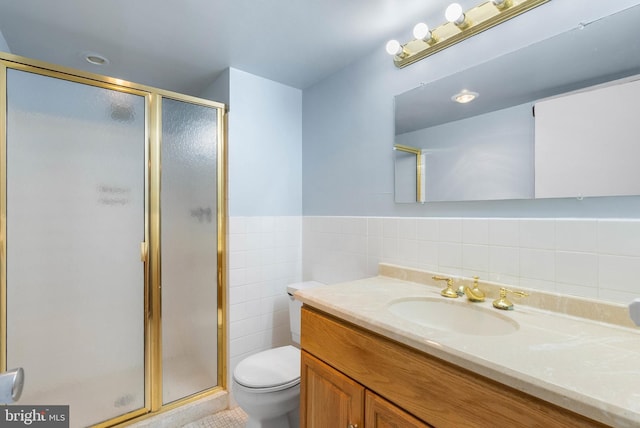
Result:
[{"x": 265, "y": 149}]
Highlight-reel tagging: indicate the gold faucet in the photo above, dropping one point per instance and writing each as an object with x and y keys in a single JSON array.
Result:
[
  {"x": 505, "y": 304},
  {"x": 474, "y": 294},
  {"x": 449, "y": 291}
]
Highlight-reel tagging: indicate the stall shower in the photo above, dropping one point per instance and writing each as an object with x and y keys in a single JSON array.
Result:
[{"x": 113, "y": 216}]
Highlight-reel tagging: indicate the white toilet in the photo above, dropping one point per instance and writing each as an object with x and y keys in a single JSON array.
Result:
[{"x": 266, "y": 385}]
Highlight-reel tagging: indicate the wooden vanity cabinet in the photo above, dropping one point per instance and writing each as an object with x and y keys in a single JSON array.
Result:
[
  {"x": 331, "y": 399},
  {"x": 353, "y": 376},
  {"x": 380, "y": 413}
]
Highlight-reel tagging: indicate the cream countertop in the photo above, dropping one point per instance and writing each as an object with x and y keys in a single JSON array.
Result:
[{"x": 590, "y": 367}]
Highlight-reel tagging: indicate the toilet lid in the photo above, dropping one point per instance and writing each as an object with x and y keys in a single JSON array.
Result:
[{"x": 269, "y": 369}]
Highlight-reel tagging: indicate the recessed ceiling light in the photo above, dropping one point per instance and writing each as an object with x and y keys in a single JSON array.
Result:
[
  {"x": 464, "y": 96},
  {"x": 95, "y": 59}
]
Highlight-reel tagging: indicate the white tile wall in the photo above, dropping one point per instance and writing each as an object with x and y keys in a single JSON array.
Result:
[
  {"x": 594, "y": 258},
  {"x": 577, "y": 235},
  {"x": 585, "y": 257},
  {"x": 345, "y": 248},
  {"x": 619, "y": 237},
  {"x": 265, "y": 255}
]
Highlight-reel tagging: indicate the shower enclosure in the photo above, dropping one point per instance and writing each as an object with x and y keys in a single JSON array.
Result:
[{"x": 112, "y": 210}]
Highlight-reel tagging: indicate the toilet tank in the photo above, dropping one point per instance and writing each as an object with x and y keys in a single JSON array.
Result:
[{"x": 296, "y": 305}]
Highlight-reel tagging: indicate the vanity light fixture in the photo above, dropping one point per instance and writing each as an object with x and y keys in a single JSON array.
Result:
[
  {"x": 465, "y": 96},
  {"x": 460, "y": 25}
]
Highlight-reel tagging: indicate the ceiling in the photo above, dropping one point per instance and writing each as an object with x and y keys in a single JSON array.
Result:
[{"x": 182, "y": 45}]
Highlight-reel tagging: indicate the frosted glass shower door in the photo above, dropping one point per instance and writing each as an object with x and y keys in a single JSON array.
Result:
[
  {"x": 189, "y": 249},
  {"x": 75, "y": 220}
]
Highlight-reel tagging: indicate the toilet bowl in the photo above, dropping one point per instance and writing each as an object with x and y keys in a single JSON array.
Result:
[{"x": 266, "y": 385}]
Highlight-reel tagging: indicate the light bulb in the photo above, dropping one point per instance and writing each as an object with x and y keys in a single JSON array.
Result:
[
  {"x": 501, "y": 4},
  {"x": 454, "y": 14},
  {"x": 421, "y": 31},
  {"x": 394, "y": 47}
]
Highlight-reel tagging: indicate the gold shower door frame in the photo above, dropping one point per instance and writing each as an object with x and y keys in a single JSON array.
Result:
[{"x": 151, "y": 248}]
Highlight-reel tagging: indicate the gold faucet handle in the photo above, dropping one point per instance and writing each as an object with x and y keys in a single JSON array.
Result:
[
  {"x": 476, "y": 288},
  {"x": 449, "y": 291},
  {"x": 474, "y": 294},
  {"x": 505, "y": 304}
]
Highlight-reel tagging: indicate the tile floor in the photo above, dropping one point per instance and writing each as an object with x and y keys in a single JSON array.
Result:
[{"x": 234, "y": 418}]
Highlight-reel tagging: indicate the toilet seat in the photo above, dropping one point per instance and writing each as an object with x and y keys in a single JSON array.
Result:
[{"x": 268, "y": 371}]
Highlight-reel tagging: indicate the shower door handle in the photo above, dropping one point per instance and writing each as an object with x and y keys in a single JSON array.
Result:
[
  {"x": 143, "y": 252},
  {"x": 11, "y": 383}
]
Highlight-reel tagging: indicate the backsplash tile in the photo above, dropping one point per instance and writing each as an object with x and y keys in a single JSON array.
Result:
[
  {"x": 407, "y": 228},
  {"x": 504, "y": 232},
  {"x": 577, "y": 269},
  {"x": 450, "y": 230},
  {"x": 476, "y": 258},
  {"x": 619, "y": 273},
  {"x": 577, "y": 235},
  {"x": 389, "y": 248},
  {"x": 619, "y": 237},
  {"x": 592, "y": 258},
  {"x": 408, "y": 250},
  {"x": 538, "y": 234},
  {"x": 340, "y": 248},
  {"x": 450, "y": 255},
  {"x": 374, "y": 226},
  {"x": 390, "y": 227},
  {"x": 475, "y": 231},
  {"x": 537, "y": 264},
  {"x": 428, "y": 253},
  {"x": 427, "y": 229},
  {"x": 504, "y": 261}
]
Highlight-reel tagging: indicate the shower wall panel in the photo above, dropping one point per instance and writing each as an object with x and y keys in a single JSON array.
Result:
[
  {"x": 75, "y": 220},
  {"x": 189, "y": 243}
]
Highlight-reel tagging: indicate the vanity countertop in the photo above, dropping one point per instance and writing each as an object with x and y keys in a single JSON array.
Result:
[{"x": 589, "y": 367}]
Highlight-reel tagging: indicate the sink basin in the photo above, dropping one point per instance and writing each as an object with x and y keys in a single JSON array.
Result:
[{"x": 453, "y": 316}]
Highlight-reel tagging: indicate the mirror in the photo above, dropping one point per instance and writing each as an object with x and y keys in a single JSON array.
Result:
[
  {"x": 409, "y": 178},
  {"x": 484, "y": 150}
]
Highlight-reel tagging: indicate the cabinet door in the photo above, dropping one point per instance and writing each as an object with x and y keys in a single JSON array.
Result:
[
  {"x": 328, "y": 398},
  {"x": 380, "y": 413}
]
